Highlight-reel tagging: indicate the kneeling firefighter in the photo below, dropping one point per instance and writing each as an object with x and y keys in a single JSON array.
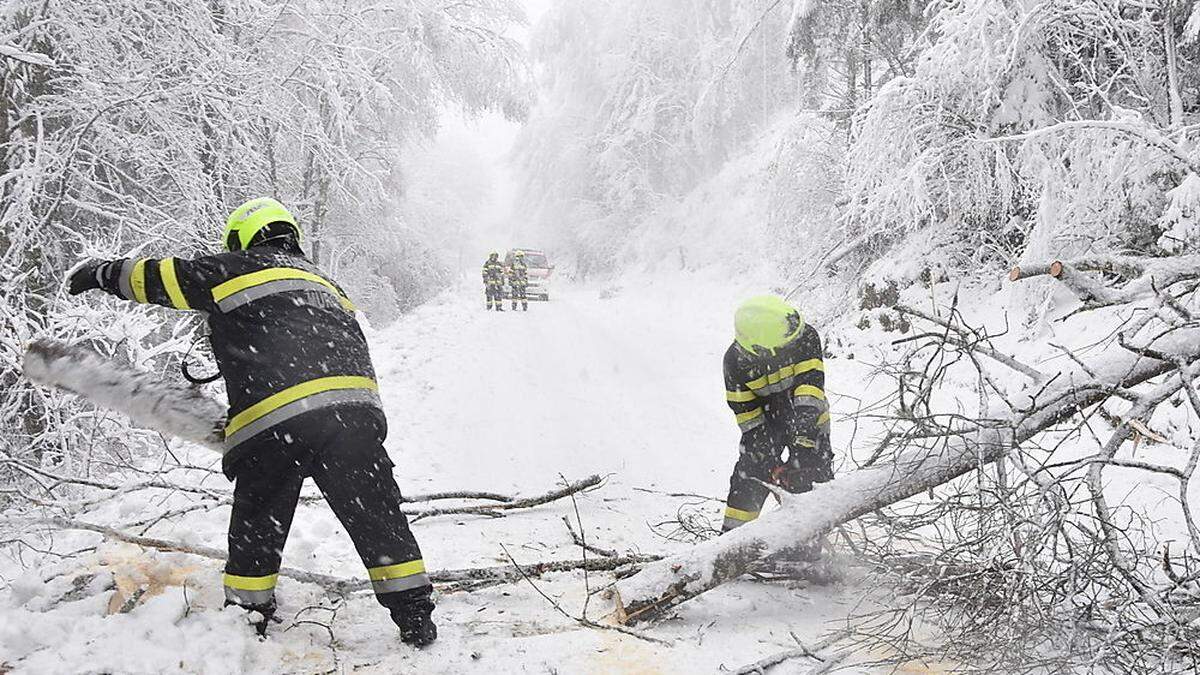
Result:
[
  {"x": 302, "y": 402},
  {"x": 775, "y": 384}
]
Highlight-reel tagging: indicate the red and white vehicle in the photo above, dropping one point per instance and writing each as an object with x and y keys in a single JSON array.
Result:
[{"x": 539, "y": 269}]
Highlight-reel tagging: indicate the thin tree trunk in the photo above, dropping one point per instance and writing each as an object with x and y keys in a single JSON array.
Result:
[
  {"x": 865, "y": 51},
  {"x": 1175, "y": 101}
]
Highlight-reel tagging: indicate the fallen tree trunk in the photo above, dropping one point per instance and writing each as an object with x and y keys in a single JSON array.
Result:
[
  {"x": 664, "y": 584},
  {"x": 1144, "y": 276}
]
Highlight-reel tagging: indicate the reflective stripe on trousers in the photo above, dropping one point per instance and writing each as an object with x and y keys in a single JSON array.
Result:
[
  {"x": 250, "y": 591},
  {"x": 737, "y": 517},
  {"x": 402, "y": 577}
]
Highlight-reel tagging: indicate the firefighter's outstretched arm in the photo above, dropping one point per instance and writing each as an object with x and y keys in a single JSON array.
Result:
[{"x": 169, "y": 282}]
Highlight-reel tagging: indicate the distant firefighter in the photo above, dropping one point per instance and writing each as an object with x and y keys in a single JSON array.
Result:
[
  {"x": 518, "y": 281},
  {"x": 493, "y": 282}
]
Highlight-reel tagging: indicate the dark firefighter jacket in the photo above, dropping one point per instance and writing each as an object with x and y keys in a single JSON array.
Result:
[
  {"x": 493, "y": 273},
  {"x": 787, "y": 387},
  {"x": 284, "y": 336},
  {"x": 518, "y": 274}
]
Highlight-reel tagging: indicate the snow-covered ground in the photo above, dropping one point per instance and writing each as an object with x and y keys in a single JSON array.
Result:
[
  {"x": 624, "y": 381},
  {"x": 620, "y": 379}
]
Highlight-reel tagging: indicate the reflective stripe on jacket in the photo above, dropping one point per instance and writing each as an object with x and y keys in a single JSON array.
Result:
[
  {"x": 761, "y": 387},
  {"x": 284, "y": 335},
  {"x": 493, "y": 273}
]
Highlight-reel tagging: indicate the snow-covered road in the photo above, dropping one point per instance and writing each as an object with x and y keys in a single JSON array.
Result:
[
  {"x": 624, "y": 382},
  {"x": 508, "y": 401}
]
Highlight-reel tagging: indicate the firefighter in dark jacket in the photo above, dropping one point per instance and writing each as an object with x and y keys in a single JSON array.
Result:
[
  {"x": 493, "y": 281},
  {"x": 518, "y": 281},
  {"x": 302, "y": 402},
  {"x": 775, "y": 384}
]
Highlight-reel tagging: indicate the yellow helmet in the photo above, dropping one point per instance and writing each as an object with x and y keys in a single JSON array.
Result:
[
  {"x": 251, "y": 217},
  {"x": 766, "y": 322}
]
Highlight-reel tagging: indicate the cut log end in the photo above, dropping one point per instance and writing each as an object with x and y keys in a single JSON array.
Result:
[
  {"x": 1014, "y": 274},
  {"x": 1056, "y": 269},
  {"x": 618, "y": 615}
]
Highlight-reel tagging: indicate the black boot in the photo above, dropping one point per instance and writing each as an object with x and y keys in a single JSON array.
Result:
[
  {"x": 266, "y": 611},
  {"x": 412, "y": 610},
  {"x": 417, "y": 629}
]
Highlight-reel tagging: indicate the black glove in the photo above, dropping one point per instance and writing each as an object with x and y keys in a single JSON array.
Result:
[{"x": 86, "y": 278}]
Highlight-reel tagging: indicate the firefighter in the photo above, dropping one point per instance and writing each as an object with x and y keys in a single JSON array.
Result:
[
  {"x": 302, "y": 402},
  {"x": 775, "y": 384},
  {"x": 518, "y": 281},
  {"x": 493, "y": 281}
]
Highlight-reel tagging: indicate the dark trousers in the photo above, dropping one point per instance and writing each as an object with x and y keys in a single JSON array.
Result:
[
  {"x": 761, "y": 459},
  {"x": 494, "y": 293},
  {"x": 342, "y": 449},
  {"x": 518, "y": 295}
]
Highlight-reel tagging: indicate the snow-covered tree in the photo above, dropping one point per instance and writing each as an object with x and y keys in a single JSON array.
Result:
[
  {"x": 641, "y": 101},
  {"x": 133, "y": 127}
]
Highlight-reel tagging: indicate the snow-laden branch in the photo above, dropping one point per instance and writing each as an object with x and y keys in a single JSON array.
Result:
[
  {"x": 509, "y": 503},
  {"x": 1146, "y": 134},
  {"x": 32, "y": 58},
  {"x": 967, "y": 340},
  {"x": 147, "y": 399}
]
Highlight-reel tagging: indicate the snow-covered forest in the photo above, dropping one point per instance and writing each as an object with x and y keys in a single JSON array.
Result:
[{"x": 990, "y": 211}]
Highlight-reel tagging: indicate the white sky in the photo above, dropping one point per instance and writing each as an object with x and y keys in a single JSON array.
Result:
[{"x": 490, "y": 139}]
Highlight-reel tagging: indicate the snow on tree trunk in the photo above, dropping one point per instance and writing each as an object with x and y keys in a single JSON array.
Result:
[{"x": 671, "y": 581}]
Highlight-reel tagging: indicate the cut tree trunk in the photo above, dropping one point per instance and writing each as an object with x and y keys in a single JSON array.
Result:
[{"x": 662, "y": 585}]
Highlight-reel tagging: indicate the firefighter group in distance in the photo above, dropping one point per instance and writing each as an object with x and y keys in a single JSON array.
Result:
[
  {"x": 303, "y": 402},
  {"x": 495, "y": 273}
]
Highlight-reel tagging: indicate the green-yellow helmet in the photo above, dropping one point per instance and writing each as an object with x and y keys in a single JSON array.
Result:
[
  {"x": 251, "y": 217},
  {"x": 766, "y": 322}
]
